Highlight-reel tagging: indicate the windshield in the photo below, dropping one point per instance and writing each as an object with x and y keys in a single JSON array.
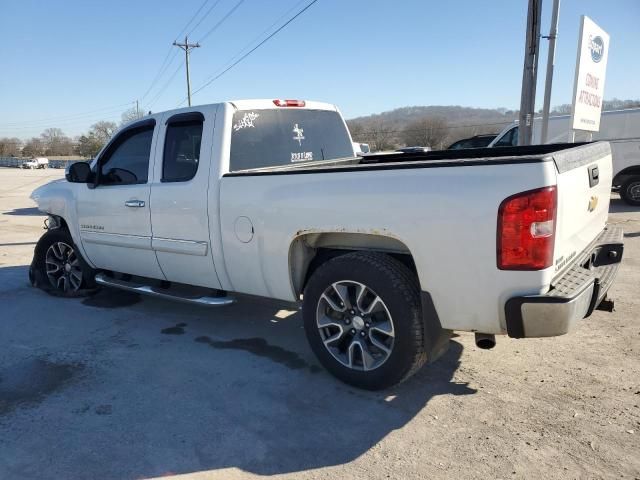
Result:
[{"x": 267, "y": 138}]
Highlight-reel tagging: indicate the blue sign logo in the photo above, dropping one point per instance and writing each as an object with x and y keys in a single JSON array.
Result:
[{"x": 596, "y": 45}]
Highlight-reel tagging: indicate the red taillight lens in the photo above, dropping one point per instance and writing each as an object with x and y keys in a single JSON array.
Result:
[
  {"x": 526, "y": 230},
  {"x": 289, "y": 103}
]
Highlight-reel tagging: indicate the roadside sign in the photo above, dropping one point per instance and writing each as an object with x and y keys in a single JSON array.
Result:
[{"x": 591, "y": 68}]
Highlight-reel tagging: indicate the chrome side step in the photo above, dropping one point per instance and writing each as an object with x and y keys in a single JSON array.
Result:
[{"x": 207, "y": 301}]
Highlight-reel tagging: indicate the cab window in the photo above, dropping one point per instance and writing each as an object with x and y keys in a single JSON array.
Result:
[
  {"x": 509, "y": 139},
  {"x": 182, "y": 147},
  {"x": 126, "y": 161}
]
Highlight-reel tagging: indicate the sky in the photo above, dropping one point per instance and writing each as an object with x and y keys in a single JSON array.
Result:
[{"x": 70, "y": 63}]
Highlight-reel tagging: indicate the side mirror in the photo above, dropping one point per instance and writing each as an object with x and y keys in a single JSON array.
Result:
[{"x": 79, "y": 172}]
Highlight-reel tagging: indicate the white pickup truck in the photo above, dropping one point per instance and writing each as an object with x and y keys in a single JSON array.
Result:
[
  {"x": 387, "y": 253},
  {"x": 33, "y": 163}
]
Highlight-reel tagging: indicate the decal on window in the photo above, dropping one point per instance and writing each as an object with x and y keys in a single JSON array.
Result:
[
  {"x": 301, "y": 156},
  {"x": 247, "y": 121},
  {"x": 298, "y": 131}
]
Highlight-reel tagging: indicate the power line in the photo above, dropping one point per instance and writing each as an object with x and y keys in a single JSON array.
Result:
[
  {"x": 222, "y": 20},
  {"x": 163, "y": 68},
  {"x": 61, "y": 123},
  {"x": 70, "y": 125},
  {"x": 257, "y": 37},
  {"x": 214, "y": 78},
  {"x": 164, "y": 87},
  {"x": 62, "y": 117},
  {"x": 193, "y": 18},
  {"x": 202, "y": 19},
  {"x": 166, "y": 63}
]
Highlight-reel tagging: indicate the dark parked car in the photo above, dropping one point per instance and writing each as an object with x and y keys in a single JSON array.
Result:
[
  {"x": 414, "y": 149},
  {"x": 479, "y": 141}
]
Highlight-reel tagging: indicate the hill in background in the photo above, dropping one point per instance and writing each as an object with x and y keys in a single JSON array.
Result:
[{"x": 440, "y": 125}]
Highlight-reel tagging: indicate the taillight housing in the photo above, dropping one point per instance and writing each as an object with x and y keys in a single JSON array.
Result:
[
  {"x": 289, "y": 103},
  {"x": 526, "y": 230}
]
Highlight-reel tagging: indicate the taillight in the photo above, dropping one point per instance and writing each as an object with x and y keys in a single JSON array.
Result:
[
  {"x": 289, "y": 103},
  {"x": 526, "y": 230}
]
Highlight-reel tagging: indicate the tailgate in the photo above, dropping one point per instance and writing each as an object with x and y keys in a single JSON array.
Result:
[{"x": 584, "y": 191}]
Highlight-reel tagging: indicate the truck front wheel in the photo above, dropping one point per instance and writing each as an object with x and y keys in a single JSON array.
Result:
[
  {"x": 630, "y": 191},
  {"x": 362, "y": 317},
  {"x": 58, "y": 266}
]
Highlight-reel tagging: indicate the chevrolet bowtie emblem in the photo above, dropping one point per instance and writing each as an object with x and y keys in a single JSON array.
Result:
[{"x": 593, "y": 203}]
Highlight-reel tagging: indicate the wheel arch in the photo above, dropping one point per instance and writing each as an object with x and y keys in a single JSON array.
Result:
[
  {"x": 624, "y": 174},
  {"x": 309, "y": 250}
]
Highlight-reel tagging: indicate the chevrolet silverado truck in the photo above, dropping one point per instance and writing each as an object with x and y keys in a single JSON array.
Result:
[{"x": 387, "y": 254}]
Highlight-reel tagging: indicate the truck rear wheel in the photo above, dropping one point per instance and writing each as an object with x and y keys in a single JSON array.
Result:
[
  {"x": 362, "y": 317},
  {"x": 630, "y": 191}
]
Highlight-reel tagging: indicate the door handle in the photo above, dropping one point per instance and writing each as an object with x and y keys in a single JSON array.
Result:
[{"x": 134, "y": 203}]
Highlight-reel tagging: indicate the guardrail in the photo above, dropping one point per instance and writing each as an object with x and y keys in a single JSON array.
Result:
[{"x": 13, "y": 162}]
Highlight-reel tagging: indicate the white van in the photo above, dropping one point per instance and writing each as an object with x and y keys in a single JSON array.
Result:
[
  {"x": 361, "y": 148},
  {"x": 620, "y": 127}
]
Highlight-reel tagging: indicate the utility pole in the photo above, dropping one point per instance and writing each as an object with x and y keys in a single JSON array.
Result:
[
  {"x": 530, "y": 73},
  {"x": 551, "y": 58},
  {"x": 137, "y": 110},
  {"x": 186, "y": 46}
]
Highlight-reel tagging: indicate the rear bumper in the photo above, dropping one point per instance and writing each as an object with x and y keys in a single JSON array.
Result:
[{"x": 573, "y": 296}]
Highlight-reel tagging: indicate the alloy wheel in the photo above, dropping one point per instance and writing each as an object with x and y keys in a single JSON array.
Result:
[
  {"x": 355, "y": 325},
  {"x": 63, "y": 267}
]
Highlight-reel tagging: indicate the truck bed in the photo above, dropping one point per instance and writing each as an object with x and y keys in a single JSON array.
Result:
[{"x": 565, "y": 155}]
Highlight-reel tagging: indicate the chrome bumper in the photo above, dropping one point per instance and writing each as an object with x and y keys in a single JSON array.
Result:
[{"x": 573, "y": 296}]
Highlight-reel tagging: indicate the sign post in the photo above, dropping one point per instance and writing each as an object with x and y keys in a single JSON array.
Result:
[{"x": 591, "y": 68}]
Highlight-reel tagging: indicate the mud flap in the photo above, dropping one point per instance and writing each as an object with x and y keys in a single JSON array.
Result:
[{"x": 437, "y": 339}]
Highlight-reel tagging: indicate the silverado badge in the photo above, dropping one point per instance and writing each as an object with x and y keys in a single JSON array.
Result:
[{"x": 593, "y": 203}]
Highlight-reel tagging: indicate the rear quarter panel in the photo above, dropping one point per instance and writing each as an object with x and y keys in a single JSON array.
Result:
[{"x": 446, "y": 216}]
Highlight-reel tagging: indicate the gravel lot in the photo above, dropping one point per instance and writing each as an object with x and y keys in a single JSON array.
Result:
[{"x": 120, "y": 387}]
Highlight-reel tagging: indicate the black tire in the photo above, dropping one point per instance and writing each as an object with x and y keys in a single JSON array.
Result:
[
  {"x": 630, "y": 191},
  {"x": 38, "y": 272},
  {"x": 397, "y": 287}
]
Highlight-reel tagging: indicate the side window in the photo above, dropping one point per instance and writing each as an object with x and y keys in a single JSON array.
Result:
[
  {"x": 126, "y": 162},
  {"x": 182, "y": 147},
  {"x": 509, "y": 139}
]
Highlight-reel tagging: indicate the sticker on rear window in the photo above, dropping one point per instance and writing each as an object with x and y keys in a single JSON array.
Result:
[
  {"x": 301, "y": 156},
  {"x": 298, "y": 131},
  {"x": 247, "y": 121}
]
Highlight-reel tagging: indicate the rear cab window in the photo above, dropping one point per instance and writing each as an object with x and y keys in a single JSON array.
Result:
[
  {"x": 182, "y": 147},
  {"x": 276, "y": 137}
]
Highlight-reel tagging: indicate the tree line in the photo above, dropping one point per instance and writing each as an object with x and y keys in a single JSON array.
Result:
[
  {"x": 53, "y": 141},
  {"x": 440, "y": 126}
]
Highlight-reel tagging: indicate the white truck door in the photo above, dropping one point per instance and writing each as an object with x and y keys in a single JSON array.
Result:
[
  {"x": 114, "y": 217},
  {"x": 179, "y": 213}
]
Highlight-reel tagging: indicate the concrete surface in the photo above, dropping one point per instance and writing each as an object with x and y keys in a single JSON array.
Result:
[{"x": 120, "y": 387}]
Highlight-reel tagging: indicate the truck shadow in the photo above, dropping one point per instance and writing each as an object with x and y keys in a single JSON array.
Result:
[
  {"x": 29, "y": 212},
  {"x": 617, "y": 205},
  {"x": 167, "y": 389}
]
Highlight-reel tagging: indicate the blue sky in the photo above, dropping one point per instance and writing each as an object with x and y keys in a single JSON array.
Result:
[{"x": 64, "y": 60}]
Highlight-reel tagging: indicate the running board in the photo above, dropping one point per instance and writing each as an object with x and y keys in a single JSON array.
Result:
[{"x": 207, "y": 301}]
